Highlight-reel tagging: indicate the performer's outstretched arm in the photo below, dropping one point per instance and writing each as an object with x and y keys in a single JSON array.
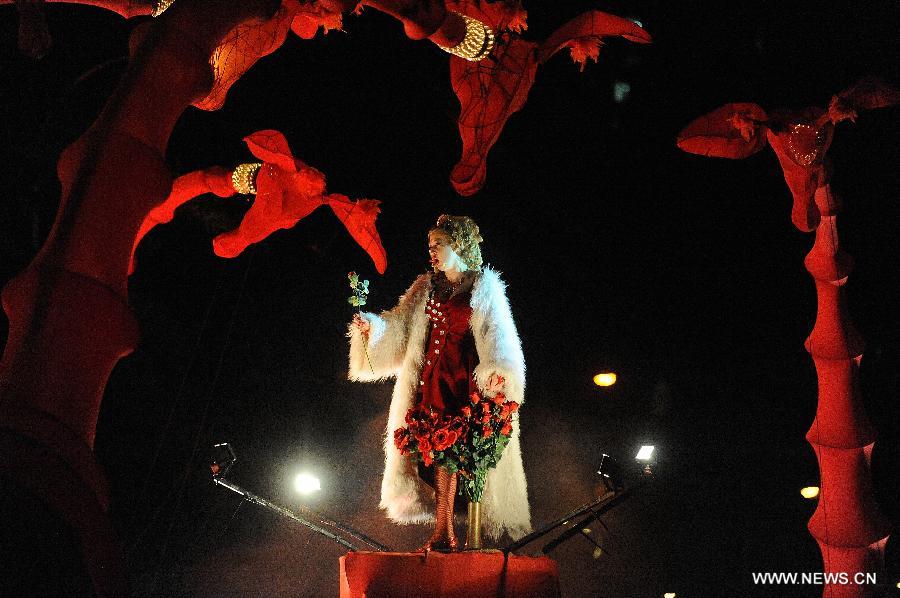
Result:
[{"x": 386, "y": 339}]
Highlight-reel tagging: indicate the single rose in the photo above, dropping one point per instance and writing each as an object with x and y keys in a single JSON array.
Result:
[
  {"x": 424, "y": 446},
  {"x": 401, "y": 438},
  {"x": 474, "y": 398},
  {"x": 423, "y": 434},
  {"x": 486, "y": 431},
  {"x": 444, "y": 439},
  {"x": 498, "y": 398},
  {"x": 466, "y": 411},
  {"x": 486, "y": 418},
  {"x": 513, "y": 406},
  {"x": 506, "y": 430}
]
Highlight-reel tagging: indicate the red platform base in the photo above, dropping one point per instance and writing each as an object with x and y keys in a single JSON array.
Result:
[{"x": 476, "y": 573}]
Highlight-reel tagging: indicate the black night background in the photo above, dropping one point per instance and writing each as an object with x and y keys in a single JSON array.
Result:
[{"x": 682, "y": 274}]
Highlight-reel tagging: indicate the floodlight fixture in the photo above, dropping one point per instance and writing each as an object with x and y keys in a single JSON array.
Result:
[
  {"x": 645, "y": 458},
  {"x": 306, "y": 483}
]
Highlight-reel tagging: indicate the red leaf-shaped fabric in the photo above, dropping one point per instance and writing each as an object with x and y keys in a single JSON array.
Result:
[
  {"x": 732, "y": 131},
  {"x": 185, "y": 188},
  {"x": 271, "y": 146},
  {"x": 585, "y": 32},
  {"x": 870, "y": 93},
  {"x": 240, "y": 49},
  {"x": 359, "y": 218},
  {"x": 489, "y": 92},
  {"x": 308, "y": 18},
  {"x": 283, "y": 198}
]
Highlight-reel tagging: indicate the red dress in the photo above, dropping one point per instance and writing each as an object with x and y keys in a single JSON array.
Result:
[{"x": 450, "y": 357}]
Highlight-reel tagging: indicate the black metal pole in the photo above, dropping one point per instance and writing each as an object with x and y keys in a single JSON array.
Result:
[{"x": 258, "y": 500}]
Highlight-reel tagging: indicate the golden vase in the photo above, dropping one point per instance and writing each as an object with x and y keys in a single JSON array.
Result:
[{"x": 473, "y": 530}]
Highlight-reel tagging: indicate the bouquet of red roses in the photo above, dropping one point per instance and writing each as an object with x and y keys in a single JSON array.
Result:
[
  {"x": 427, "y": 436},
  {"x": 470, "y": 443}
]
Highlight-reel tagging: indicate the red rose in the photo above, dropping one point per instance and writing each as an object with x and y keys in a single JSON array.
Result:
[
  {"x": 401, "y": 439},
  {"x": 424, "y": 446},
  {"x": 506, "y": 430},
  {"x": 423, "y": 433},
  {"x": 486, "y": 418},
  {"x": 513, "y": 406},
  {"x": 486, "y": 431},
  {"x": 427, "y": 459},
  {"x": 444, "y": 439},
  {"x": 498, "y": 398},
  {"x": 466, "y": 411},
  {"x": 474, "y": 398},
  {"x": 504, "y": 411}
]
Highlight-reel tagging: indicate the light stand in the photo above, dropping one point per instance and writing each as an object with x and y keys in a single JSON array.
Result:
[
  {"x": 617, "y": 491},
  {"x": 225, "y": 457}
]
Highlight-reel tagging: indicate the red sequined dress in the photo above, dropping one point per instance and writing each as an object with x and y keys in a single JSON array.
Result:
[{"x": 450, "y": 357}]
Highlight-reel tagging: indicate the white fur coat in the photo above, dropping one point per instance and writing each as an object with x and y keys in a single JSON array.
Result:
[{"x": 396, "y": 346}]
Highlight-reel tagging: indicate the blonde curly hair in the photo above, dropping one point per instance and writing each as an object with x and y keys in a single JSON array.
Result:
[{"x": 464, "y": 238}]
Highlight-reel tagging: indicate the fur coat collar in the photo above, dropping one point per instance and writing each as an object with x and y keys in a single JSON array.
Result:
[{"x": 395, "y": 349}]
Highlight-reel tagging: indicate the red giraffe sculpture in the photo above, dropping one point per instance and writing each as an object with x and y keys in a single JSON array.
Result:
[
  {"x": 286, "y": 191},
  {"x": 491, "y": 90},
  {"x": 848, "y": 525}
]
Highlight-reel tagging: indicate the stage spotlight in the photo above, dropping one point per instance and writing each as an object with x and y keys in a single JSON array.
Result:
[
  {"x": 646, "y": 453},
  {"x": 610, "y": 473},
  {"x": 645, "y": 459},
  {"x": 605, "y": 379},
  {"x": 306, "y": 483},
  {"x": 810, "y": 492}
]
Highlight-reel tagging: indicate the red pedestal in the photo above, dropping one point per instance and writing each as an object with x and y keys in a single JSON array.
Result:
[{"x": 488, "y": 573}]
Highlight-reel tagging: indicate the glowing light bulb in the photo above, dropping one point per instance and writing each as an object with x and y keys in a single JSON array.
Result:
[
  {"x": 645, "y": 453},
  {"x": 605, "y": 379},
  {"x": 810, "y": 492},
  {"x": 306, "y": 483}
]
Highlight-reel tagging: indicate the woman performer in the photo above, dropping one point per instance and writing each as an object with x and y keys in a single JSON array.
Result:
[{"x": 450, "y": 334}]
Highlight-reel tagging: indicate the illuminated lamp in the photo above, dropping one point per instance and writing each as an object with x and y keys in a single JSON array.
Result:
[
  {"x": 306, "y": 483},
  {"x": 605, "y": 379},
  {"x": 810, "y": 492}
]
